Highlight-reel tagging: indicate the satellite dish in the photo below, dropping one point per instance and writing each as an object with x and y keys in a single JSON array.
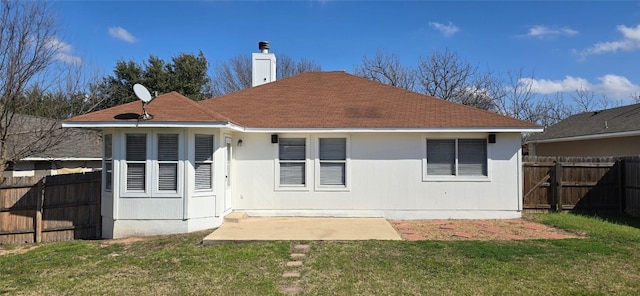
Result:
[
  {"x": 142, "y": 93},
  {"x": 145, "y": 96}
]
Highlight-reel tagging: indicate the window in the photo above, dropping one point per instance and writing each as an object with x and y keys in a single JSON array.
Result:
[
  {"x": 333, "y": 161},
  {"x": 203, "y": 162},
  {"x": 136, "y": 158},
  {"x": 167, "y": 164},
  {"x": 292, "y": 159},
  {"x": 108, "y": 162},
  {"x": 457, "y": 157}
]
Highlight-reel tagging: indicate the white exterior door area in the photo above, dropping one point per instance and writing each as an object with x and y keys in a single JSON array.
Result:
[{"x": 227, "y": 173}]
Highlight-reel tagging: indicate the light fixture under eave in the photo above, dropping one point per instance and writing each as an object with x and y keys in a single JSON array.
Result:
[
  {"x": 145, "y": 96},
  {"x": 240, "y": 142}
]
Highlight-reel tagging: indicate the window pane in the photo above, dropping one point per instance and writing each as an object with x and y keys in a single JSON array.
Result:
[
  {"x": 168, "y": 176},
  {"x": 136, "y": 147},
  {"x": 135, "y": 176},
  {"x": 292, "y": 173},
  {"x": 108, "y": 175},
  {"x": 203, "y": 176},
  {"x": 292, "y": 149},
  {"x": 107, "y": 147},
  {"x": 333, "y": 149},
  {"x": 441, "y": 158},
  {"x": 332, "y": 174},
  {"x": 472, "y": 157},
  {"x": 168, "y": 147},
  {"x": 204, "y": 147}
]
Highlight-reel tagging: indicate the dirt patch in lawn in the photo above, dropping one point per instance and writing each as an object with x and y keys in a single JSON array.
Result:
[
  {"x": 16, "y": 250},
  {"x": 478, "y": 230}
]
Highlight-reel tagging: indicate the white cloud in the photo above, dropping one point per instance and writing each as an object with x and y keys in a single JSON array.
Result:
[
  {"x": 541, "y": 31},
  {"x": 122, "y": 34},
  {"x": 630, "y": 41},
  {"x": 63, "y": 51},
  {"x": 446, "y": 30},
  {"x": 610, "y": 85}
]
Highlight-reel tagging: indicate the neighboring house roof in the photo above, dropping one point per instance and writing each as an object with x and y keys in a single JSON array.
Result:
[
  {"x": 80, "y": 144},
  {"x": 319, "y": 100},
  {"x": 614, "y": 122},
  {"x": 43, "y": 139},
  {"x": 171, "y": 107}
]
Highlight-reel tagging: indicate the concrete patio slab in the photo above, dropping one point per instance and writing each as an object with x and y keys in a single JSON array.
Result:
[{"x": 304, "y": 229}]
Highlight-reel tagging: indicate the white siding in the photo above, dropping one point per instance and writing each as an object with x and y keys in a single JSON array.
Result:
[{"x": 385, "y": 176}]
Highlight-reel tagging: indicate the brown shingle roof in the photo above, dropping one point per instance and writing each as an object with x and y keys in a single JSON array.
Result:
[
  {"x": 314, "y": 100},
  {"x": 341, "y": 100},
  {"x": 171, "y": 107}
]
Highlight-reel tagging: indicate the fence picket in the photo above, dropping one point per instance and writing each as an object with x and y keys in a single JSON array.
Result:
[{"x": 52, "y": 208}]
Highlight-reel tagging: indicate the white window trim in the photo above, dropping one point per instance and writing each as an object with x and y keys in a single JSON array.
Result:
[
  {"x": 316, "y": 158},
  {"x": 151, "y": 170},
  {"x": 432, "y": 178},
  {"x": 307, "y": 162},
  {"x": 192, "y": 157}
]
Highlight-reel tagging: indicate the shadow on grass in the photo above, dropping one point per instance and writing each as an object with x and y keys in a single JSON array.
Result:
[{"x": 619, "y": 219}]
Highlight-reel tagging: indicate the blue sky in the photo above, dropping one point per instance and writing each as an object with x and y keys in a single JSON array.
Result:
[{"x": 565, "y": 45}]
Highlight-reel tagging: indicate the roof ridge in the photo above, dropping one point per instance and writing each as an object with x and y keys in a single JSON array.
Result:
[{"x": 213, "y": 113}]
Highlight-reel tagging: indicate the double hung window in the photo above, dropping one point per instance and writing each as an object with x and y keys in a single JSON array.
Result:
[
  {"x": 136, "y": 161},
  {"x": 333, "y": 161},
  {"x": 203, "y": 162},
  {"x": 108, "y": 162},
  {"x": 167, "y": 164},
  {"x": 292, "y": 156},
  {"x": 457, "y": 157}
]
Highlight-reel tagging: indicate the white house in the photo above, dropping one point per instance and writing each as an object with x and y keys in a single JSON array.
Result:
[{"x": 316, "y": 144}]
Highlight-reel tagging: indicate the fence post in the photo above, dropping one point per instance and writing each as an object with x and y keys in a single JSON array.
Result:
[
  {"x": 557, "y": 187},
  {"x": 621, "y": 185},
  {"x": 38, "y": 215}
]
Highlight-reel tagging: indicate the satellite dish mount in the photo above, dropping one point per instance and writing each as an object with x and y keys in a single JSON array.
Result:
[{"x": 145, "y": 96}]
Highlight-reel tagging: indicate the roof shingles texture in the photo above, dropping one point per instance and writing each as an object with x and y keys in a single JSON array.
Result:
[
  {"x": 339, "y": 100},
  {"x": 318, "y": 100},
  {"x": 614, "y": 120},
  {"x": 171, "y": 107}
]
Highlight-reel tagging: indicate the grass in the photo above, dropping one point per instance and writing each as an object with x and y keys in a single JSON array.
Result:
[{"x": 606, "y": 262}]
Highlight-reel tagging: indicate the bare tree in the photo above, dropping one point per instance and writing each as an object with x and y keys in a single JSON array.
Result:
[
  {"x": 29, "y": 54},
  {"x": 483, "y": 92},
  {"x": 518, "y": 98},
  {"x": 386, "y": 69},
  {"x": 235, "y": 74},
  {"x": 445, "y": 75},
  {"x": 288, "y": 67}
]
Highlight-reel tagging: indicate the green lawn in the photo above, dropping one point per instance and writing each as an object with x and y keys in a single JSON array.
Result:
[{"x": 605, "y": 263}]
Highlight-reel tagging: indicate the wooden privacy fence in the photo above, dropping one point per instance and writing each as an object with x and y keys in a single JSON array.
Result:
[
  {"x": 582, "y": 184},
  {"x": 52, "y": 208}
]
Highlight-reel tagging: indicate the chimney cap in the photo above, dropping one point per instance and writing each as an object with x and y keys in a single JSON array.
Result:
[{"x": 263, "y": 45}]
